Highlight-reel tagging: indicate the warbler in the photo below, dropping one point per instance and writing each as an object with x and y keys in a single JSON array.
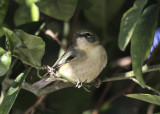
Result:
[{"x": 83, "y": 61}]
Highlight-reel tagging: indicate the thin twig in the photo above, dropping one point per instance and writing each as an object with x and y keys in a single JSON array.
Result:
[
  {"x": 150, "y": 109},
  {"x": 54, "y": 36},
  {"x": 61, "y": 85},
  {"x": 11, "y": 67},
  {"x": 40, "y": 28},
  {"x": 114, "y": 97},
  {"x": 31, "y": 110},
  {"x": 130, "y": 74},
  {"x": 40, "y": 92},
  {"x": 99, "y": 103}
]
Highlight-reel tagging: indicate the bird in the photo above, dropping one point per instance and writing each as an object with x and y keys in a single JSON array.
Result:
[{"x": 82, "y": 62}]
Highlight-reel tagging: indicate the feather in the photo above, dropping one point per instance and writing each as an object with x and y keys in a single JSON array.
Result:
[{"x": 69, "y": 55}]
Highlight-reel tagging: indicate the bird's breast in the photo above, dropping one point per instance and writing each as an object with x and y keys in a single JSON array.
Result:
[{"x": 85, "y": 68}]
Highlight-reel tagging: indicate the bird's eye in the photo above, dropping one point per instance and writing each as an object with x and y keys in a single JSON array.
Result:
[{"x": 88, "y": 35}]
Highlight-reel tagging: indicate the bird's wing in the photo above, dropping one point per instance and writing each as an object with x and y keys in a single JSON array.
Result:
[{"x": 69, "y": 55}]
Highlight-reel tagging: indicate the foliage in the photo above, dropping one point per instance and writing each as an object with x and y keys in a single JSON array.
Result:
[
  {"x": 25, "y": 44},
  {"x": 142, "y": 39},
  {"x": 13, "y": 92},
  {"x": 5, "y": 61},
  {"x": 154, "y": 99}
]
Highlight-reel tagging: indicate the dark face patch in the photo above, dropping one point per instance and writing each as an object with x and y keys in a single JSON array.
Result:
[{"x": 88, "y": 36}]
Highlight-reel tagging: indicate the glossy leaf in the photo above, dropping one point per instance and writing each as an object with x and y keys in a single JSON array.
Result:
[
  {"x": 128, "y": 23},
  {"x": 154, "y": 99},
  {"x": 3, "y": 9},
  {"x": 12, "y": 93},
  {"x": 59, "y": 9},
  {"x": 28, "y": 48},
  {"x": 5, "y": 61},
  {"x": 142, "y": 38}
]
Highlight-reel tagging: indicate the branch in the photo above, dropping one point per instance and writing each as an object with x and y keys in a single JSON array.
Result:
[
  {"x": 54, "y": 36},
  {"x": 61, "y": 85},
  {"x": 31, "y": 110},
  {"x": 130, "y": 74},
  {"x": 40, "y": 92}
]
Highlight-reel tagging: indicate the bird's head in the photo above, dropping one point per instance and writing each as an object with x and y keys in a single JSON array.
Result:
[{"x": 86, "y": 40}]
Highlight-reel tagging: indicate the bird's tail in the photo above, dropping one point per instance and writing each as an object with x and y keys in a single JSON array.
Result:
[{"x": 42, "y": 83}]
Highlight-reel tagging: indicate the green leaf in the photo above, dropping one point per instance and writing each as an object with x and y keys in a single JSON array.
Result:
[
  {"x": 27, "y": 10},
  {"x": 28, "y": 48},
  {"x": 22, "y": 15},
  {"x": 2, "y": 51},
  {"x": 1, "y": 32},
  {"x": 142, "y": 38},
  {"x": 157, "y": 113},
  {"x": 59, "y": 9},
  {"x": 3, "y": 9},
  {"x": 5, "y": 61},
  {"x": 97, "y": 10},
  {"x": 34, "y": 12},
  {"x": 128, "y": 23},
  {"x": 154, "y": 99},
  {"x": 84, "y": 4},
  {"x": 102, "y": 12},
  {"x": 12, "y": 93}
]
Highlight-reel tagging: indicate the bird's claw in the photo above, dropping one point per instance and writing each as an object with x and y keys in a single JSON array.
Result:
[
  {"x": 98, "y": 83},
  {"x": 79, "y": 84},
  {"x": 50, "y": 71}
]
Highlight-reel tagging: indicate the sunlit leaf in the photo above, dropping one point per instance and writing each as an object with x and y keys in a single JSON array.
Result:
[
  {"x": 34, "y": 10},
  {"x": 28, "y": 48},
  {"x": 5, "y": 61},
  {"x": 154, "y": 99},
  {"x": 59, "y": 9},
  {"x": 12, "y": 93},
  {"x": 128, "y": 22},
  {"x": 3, "y": 9},
  {"x": 142, "y": 38}
]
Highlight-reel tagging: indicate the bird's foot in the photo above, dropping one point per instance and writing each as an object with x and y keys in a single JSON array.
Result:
[
  {"x": 79, "y": 83},
  {"x": 50, "y": 71},
  {"x": 98, "y": 83}
]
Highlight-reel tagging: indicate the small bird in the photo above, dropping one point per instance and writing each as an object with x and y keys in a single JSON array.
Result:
[{"x": 83, "y": 61}]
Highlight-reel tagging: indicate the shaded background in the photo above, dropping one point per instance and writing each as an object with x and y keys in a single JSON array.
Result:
[{"x": 102, "y": 17}]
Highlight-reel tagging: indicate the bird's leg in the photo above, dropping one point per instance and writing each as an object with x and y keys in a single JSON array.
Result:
[
  {"x": 50, "y": 71},
  {"x": 79, "y": 83}
]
